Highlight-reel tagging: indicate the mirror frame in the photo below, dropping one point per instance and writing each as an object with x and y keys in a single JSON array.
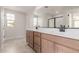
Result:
[{"x": 54, "y": 21}]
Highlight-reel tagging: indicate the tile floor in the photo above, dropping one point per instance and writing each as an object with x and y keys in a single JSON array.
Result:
[{"x": 16, "y": 46}]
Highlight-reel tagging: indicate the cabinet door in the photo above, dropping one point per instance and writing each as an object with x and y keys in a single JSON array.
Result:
[
  {"x": 37, "y": 34},
  {"x": 37, "y": 48},
  {"x": 37, "y": 41},
  {"x": 31, "y": 39},
  {"x": 63, "y": 49},
  {"x": 47, "y": 46}
]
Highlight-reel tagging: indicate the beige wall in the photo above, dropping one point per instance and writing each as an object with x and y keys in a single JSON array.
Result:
[
  {"x": 42, "y": 20},
  {"x": 29, "y": 21}
]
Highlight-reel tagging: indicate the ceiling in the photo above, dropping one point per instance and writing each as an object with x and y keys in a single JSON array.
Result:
[
  {"x": 51, "y": 10},
  {"x": 54, "y": 10},
  {"x": 25, "y": 9}
]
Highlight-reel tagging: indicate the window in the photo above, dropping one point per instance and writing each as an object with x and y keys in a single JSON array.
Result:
[
  {"x": 35, "y": 20},
  {"x": 75, "y": 20},
  {"x": 76, "y": 24},
  {"x": 10, "y": 20}
]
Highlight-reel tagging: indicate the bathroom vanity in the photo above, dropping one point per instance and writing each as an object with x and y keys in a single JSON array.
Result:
[{"x": 42, "y": 42}]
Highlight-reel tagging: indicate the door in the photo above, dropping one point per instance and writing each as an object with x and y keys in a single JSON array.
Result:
[
  {"x": 10, "y": 24},
  {"x": 47, "y": 46}
]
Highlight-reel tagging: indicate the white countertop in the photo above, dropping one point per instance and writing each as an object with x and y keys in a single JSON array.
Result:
[{"x": 69, "y": 33}]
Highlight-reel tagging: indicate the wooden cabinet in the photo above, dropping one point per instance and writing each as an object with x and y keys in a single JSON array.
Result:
[
  {"x": 46, "y": 43},
  {"x": 29, "y": 38},
  {"x": 63, "y": 49},
  {"x": 58, "y": 44},
  {"x": 37, "y": 42},
  {"x": 47, "y": 46}
]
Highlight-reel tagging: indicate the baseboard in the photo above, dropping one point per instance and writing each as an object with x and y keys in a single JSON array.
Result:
[{"x": 18, "y": 37}]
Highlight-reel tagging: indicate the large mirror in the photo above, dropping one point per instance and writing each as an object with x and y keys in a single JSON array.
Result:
[
  {"x": 55, "y": 16},
  {"x": 56, "y": 22}
]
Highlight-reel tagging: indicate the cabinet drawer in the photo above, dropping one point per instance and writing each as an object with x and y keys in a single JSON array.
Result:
[
  {"x": 36, "y": 34},
  {"x": 37, "y": 48},
  {"x": 48, "y": 37},
  {"x": 37, "y": 40},
  {"x": 31, "y": 41}
]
